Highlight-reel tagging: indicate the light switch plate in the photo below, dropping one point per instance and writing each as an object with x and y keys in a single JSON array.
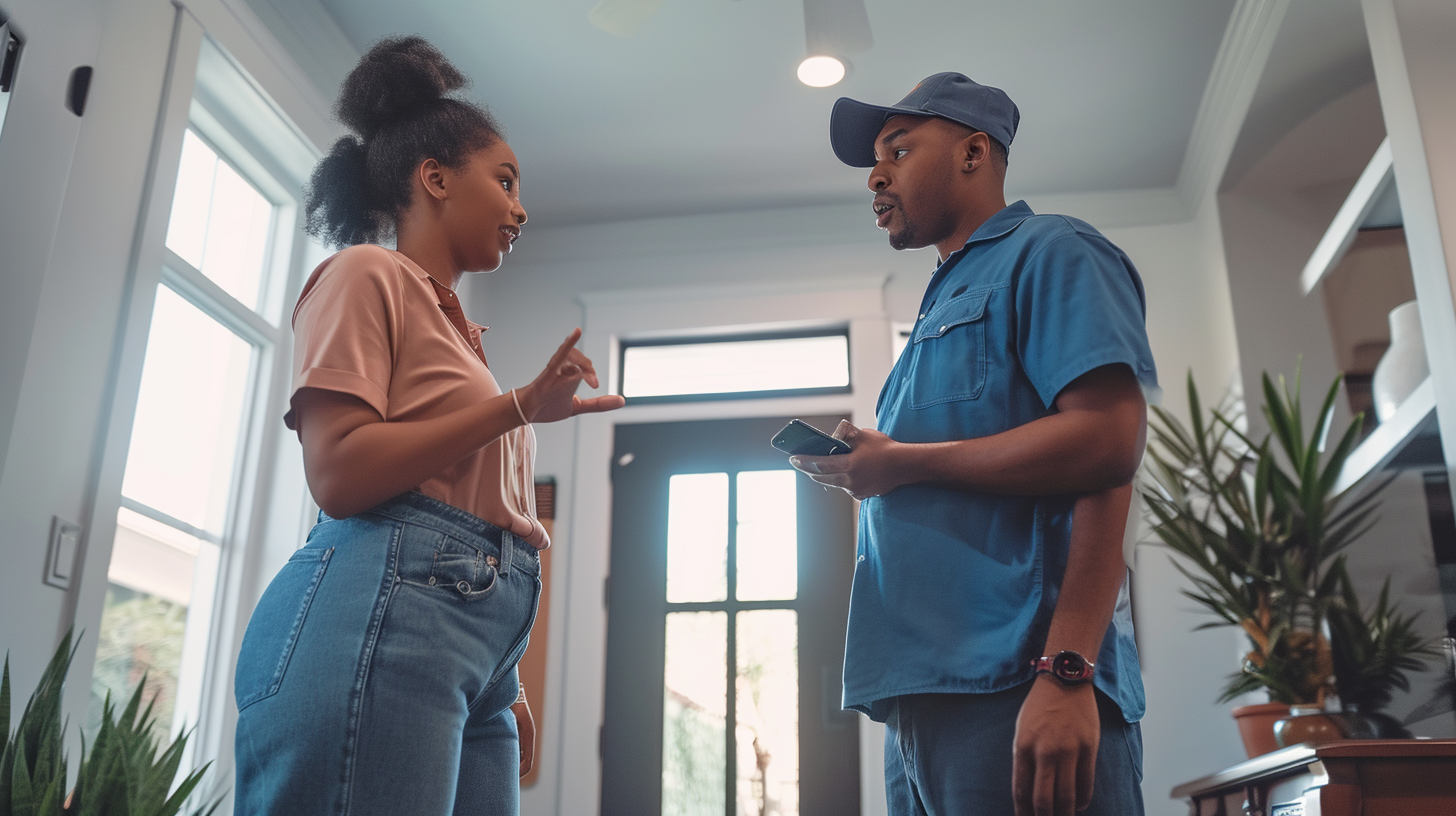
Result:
[{"x": 61, "y": 555}]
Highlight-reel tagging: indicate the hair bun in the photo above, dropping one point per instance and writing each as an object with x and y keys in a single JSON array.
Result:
[{"x": 399, "y": 77}]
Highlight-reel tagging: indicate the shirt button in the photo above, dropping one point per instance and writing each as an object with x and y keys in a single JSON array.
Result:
[
  {"x": 943, "y": 328},
  {"x": 922, "y": 316},
  {"x": 861, "y": 558}
]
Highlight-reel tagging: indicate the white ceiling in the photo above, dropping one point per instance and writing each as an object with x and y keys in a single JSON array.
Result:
[{"x": 700, "y": 112}]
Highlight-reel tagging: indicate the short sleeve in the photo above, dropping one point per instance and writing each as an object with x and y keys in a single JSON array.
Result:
[
  {"x": 1079, "y": 306},
  {"x": 345, "y": 326}
]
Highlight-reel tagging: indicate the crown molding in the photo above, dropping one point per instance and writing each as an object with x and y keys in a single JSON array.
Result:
[
  {"x": 259, "y": 55},
  {"x": 1247, "y": 43}
]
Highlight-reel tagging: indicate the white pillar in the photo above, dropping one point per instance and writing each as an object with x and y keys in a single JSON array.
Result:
[{"x": 1411, "y": 43}]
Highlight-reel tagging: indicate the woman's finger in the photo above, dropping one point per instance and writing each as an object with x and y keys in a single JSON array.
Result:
[
  {"x": 596, "y": 405},
  {"x": 564, "y": 349},
  {"x": 588, "y": 371}
]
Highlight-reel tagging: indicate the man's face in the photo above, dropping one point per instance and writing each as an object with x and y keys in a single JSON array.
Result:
[{"x": 916, "y": 165}]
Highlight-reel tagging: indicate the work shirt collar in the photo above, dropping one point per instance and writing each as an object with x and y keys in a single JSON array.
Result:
[{"x": 1004, "y": 221}]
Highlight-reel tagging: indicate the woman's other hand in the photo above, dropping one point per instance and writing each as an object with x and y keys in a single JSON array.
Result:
[
  {"x": 552, "y": 395},
  {"x": 526, "y": 727}
]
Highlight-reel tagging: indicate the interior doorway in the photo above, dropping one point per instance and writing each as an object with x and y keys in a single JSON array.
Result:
[{"x": 726, "y": 606}]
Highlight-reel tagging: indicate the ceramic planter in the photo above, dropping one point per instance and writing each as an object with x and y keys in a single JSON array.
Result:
[{"x": 1256, "y": 726}]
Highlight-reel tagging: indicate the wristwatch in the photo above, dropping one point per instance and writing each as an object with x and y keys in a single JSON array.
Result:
[{"x": 1067, "y": 666}]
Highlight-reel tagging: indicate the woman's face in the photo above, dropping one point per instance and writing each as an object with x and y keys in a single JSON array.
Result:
[{"x": 485, "y": 215}]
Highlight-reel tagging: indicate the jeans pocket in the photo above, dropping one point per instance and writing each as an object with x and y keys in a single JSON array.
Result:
[
  {"x": 275, "y": 625},
  {"x": 949, "y": 352}
]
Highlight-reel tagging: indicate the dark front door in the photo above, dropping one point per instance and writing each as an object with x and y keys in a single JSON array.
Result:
[{"x": 729, "y": 586}]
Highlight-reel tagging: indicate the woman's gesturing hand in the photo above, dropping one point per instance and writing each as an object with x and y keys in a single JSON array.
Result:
[{"x": 552, "y": 395}]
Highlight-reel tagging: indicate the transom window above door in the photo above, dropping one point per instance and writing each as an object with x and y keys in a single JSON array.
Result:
[{"x": 735, "y": 367}]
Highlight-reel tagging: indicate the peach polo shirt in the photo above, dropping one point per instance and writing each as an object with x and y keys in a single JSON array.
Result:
[{"x": 373, "y": 324}]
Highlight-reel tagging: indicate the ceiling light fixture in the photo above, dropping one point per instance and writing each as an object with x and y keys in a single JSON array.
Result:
[{"x": 821, "y": 71}]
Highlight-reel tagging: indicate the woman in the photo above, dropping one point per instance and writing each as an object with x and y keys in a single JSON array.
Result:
[{"x": 378, "y": 673}]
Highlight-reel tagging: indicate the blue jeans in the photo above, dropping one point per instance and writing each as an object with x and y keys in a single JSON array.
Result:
[
  {"x": 950, "y": 755},
  {"x": 378, "y": 670}
]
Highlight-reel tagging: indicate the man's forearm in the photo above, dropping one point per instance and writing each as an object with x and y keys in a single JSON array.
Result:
[
  {"x": 1094, "y": 576},
  {"x": 1076, "y": 451}
]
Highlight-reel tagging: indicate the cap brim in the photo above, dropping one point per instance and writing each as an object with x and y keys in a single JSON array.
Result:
[{"x": 854, "y": 126}]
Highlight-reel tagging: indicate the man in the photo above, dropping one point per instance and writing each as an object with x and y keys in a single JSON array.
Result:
[{"x": 989, "y": 626}]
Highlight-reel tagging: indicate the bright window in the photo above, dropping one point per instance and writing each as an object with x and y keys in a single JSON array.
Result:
[
  {"x": 203, "y": 382},
  {"x": 741, "y": 367},
  {"x": 220, "y": 223}
]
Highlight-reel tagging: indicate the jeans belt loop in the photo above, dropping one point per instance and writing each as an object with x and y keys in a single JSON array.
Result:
[{"x": 507, "y": 552}]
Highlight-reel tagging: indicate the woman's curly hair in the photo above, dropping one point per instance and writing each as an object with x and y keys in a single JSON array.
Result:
[{"x": 397, "y": 105}]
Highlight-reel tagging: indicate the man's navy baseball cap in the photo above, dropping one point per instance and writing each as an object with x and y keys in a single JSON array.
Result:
[{"x": 854, "y": 126}]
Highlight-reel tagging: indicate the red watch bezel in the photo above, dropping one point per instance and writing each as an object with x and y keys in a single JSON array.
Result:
[{"x": 1067, "y": 666}]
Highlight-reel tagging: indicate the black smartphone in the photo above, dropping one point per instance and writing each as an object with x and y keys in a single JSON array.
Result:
[{"x": 799, "y": 437}]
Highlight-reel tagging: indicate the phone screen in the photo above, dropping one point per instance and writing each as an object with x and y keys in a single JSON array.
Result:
[{"x": 799, "y": 437}]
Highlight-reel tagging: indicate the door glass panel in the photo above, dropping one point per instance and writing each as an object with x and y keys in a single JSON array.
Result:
[
  {"x": 153, "y": 582},
  {"x": 694, "y": 711},
  {"x": 767, "y": 536},
  {"x": 767, "y": 713},
  {"x": 697, "y": 537},
  {"x": 185, "y": 437},
  {"x": 220, "y": 223}
]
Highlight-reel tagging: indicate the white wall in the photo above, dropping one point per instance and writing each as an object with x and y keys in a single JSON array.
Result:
[
  {"x": 532, "y": 302},
  {"x": 66, "y": 224},
  {"x": 74, "y": 189}
]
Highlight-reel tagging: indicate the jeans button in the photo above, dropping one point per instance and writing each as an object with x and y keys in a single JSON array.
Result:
[
  {"x": 491, "y": 560},
  {"x": 432, "y": 580},
  {"x": 464, "y": 587}
]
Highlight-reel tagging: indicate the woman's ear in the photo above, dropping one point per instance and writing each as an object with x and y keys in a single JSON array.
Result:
[{"x": 432, "y": 177}]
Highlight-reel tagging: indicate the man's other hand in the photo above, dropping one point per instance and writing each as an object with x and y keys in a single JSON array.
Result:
[
  {"x": 867, "y": 470},
  {"x": 1055, "y": 749}
]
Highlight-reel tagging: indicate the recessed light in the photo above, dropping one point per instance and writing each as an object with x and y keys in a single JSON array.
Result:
[{"x": 820, "y": 72}]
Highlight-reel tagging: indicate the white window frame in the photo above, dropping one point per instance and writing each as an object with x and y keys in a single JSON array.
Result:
[{"x": 269, "y": 509}]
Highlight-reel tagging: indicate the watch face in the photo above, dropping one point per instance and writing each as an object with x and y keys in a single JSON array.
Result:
[{"x": 1070, "y": 666}]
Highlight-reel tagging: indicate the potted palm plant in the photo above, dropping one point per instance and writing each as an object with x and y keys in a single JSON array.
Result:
[
  {"x": 1259, "y": 528},
  {"x": 124, "y": 772}
]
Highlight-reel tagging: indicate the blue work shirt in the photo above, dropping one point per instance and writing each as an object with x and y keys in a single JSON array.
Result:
[{"x": 954, "y": 590}]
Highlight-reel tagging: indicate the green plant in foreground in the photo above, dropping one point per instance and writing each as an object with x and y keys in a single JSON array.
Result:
[
  {"x": 122, "y": 774},
  {"x": 1373, "y": 650},
  {"x": 1260, "y": 527}
]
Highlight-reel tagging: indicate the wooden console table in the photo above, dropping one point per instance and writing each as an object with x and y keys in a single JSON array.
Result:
[{"x": 1346, "y": 778}]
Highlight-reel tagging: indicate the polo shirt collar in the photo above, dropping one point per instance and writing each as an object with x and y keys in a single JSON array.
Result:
[
  {"x": 450, "y": 303},
  {"x": 444, "y": 295},
  {"x": 1003, "y": 222}
]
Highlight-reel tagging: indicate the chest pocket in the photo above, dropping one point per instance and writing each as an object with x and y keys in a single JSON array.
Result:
[{"x": 949, "y": 360}]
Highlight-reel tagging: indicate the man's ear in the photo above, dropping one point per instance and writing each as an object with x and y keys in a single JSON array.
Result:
[
  {"x": 431, "y": 176},
  {"x": 974, "y": 150}
]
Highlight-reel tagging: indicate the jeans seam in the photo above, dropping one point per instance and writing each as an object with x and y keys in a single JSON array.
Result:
[
  {"x": 521, "y": 636},
  {"x": 366, "y": 656}
]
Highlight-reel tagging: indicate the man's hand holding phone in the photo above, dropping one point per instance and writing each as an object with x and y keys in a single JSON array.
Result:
[{"x": 869, "y": 468}]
